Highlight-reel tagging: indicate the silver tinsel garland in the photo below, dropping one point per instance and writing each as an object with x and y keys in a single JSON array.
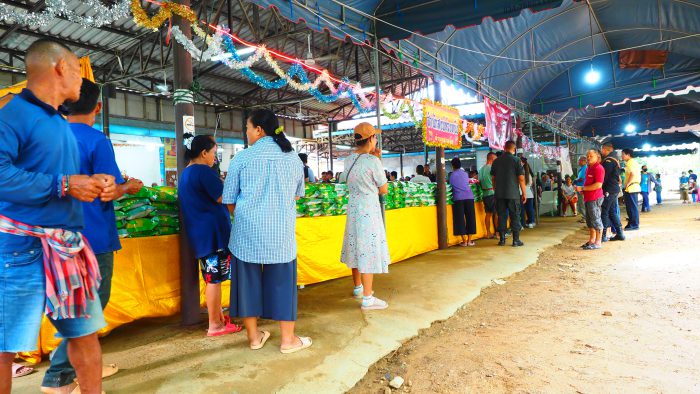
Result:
[{"x": 103, "y": 15}]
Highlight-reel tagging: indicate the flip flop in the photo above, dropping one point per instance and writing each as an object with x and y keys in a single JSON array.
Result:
[
  {"x": 72, "y": 388},
  {"x": 472, "y": 243},
  {"x": 464, "y": 244},
  {"x": 109, "y": 370},
  {"x": 305, "y": 344},
  {"x": 19, "y": 370},
  {"x": 266, "y": 336},
  {"x": 230, "y": 328}
]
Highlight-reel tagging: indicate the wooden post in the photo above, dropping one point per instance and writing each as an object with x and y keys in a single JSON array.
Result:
[
  {"x": 106, "y": 88},
  {"x": 189, "y": 274}
]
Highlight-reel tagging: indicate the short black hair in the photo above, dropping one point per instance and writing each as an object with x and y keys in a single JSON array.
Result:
[
  {"x": 510, "y": 145},
  {"x": 303, "y": 157},
  {"x": 629, "y": 152},
  {"x": 456, "y": 163},
  {"x": 608, "y": 145},
  {"x": 690, "y": 171},
  {"x": 420, "y": 170},
  {"x": 395, "y": 174},
  {"x": 89, "y": 97}
]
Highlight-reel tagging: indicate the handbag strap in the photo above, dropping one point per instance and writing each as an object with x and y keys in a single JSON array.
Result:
[{"x": 347, "y": 175}]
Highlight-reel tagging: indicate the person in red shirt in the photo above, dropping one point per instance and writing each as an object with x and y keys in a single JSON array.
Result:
[{"x": 593, "y": 198}]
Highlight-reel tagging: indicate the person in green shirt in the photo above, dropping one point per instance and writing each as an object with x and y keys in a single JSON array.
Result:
[{"x": 489, "y": 198}]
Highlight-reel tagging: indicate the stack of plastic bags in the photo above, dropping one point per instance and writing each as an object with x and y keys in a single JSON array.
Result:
[
  {"x": 323, "y": 199},
  {"x": 396, "y": 197},
  {"x": 478, "y": 193},
  {"x": 420, "y": 194},
  {"x": 150, "y": 212}
]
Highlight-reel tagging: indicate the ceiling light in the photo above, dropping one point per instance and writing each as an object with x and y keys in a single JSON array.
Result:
[
  {"x": 630, "y": 128},
  {"x": 592, "y": 76},
  {"x": 646, "y": 147}
]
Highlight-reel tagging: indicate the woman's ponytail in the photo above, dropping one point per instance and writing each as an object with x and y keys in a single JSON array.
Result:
[
  {"x": 195, "y": 145},
  {"x": 267, "y": 121}
]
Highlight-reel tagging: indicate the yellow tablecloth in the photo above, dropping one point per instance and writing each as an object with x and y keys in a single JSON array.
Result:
[{"x": 146, "y": 281}]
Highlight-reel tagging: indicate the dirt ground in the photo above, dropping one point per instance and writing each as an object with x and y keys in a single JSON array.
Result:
[{"x": 622, "y": 319}]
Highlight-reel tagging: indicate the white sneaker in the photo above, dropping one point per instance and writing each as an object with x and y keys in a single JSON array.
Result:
[
  {"x": 374, "y": 303},
  {"x": 359, "y": 294}
]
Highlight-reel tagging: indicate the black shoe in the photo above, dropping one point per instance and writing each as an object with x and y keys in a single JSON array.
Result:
[
  {"x": 517, "y": 243},
  {"x": 604, "y": 239},
  {"x": 618, "y": 238},
  {"x": 628, "y": 228},
  {"x": 502, "y": 241}
]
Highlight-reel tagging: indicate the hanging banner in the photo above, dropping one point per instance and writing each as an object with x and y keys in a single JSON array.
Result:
[
  {"x": 442, "y": 125},
  {"x": 170, "y": 153},
  {"x": 499, "y": 126}
]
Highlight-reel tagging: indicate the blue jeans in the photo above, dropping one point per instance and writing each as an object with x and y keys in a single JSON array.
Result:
[
  {"x": 645, "y": 202},
  {"x": 610, "y": 213},
  {"x": 529, "y": 209},
  {"x": 631, "y": 201},
  {"x": 658, "y": 197},
  {"x": 23, "y": 300},
  {"x": 61, "y": 372}
]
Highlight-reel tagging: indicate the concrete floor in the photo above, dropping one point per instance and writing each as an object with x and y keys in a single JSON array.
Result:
[{"x": 157, "y": 356}]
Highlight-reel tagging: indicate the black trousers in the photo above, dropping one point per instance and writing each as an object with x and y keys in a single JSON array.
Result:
[
  {"x": 508, "y": 208},
  {"x": 464, "y": 217}
]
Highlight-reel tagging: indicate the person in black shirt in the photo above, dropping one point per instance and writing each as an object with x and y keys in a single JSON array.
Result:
[
  {"x": 611, "y": 188},
  {"x": 509, "y": 181}
]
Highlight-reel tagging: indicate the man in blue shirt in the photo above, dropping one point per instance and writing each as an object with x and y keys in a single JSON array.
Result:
[
  {"x": 96, "y": 157},
  {"x": 40, "y": 186},
  {"x": 645, "y": 184},
  {"x": 583, "y": 164}
]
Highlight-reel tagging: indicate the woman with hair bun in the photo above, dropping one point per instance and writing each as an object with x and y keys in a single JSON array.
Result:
[
  {"x": 207, "y": 225},
  {"x": 261, "y": 189}
]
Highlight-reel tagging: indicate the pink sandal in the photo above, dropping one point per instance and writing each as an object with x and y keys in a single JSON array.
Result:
[
  {"x": 19, "y": 370},
  {"x": 229, "y": 328}
]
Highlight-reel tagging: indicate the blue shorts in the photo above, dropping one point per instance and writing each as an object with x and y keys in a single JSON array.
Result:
[
  {"x": 22, "y": 303},
  {"x": 268, "y": 291}
]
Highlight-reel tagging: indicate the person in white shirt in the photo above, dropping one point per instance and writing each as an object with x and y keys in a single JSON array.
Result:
[{"x": 420, "y": 178}]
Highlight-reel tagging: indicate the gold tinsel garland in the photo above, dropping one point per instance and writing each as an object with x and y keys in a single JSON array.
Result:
[{"x": 166, "y": 11}]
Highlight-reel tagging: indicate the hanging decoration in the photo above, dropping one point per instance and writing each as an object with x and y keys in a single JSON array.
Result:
[
  {"x": 103, "y": 15},
  {"x": 166, "y": 11},
  {"x": 537, "y": 149},
  {"x": 442, "y": 125},
  {"x": 499, "y": 125}
]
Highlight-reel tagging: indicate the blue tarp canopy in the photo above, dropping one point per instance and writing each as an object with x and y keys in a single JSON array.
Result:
[{"x": 537, "y": 56}]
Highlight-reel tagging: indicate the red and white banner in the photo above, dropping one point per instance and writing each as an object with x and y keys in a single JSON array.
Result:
[{"x": 499, "y": 125}]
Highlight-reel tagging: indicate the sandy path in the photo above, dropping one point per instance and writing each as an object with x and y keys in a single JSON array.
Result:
[{"x": 545, "y": 331}]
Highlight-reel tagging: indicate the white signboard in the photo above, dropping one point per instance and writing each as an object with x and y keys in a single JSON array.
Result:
[{"x": 188, "y": 124}]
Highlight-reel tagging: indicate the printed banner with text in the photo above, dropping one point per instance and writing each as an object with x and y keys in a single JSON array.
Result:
[{"x": 442, "y": 125}]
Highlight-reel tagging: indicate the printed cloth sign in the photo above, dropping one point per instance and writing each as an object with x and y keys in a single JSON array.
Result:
[
  {"x": 442, "y": 125},
  {"x": 499, "y": 126}
]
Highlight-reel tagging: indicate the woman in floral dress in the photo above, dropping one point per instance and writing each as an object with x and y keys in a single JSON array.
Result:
[{"x": 365, "y": 248}]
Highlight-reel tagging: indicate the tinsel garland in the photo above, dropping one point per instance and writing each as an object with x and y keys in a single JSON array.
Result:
[
  {"x": 183, "y": 96},
  {"x": 103, "y": 15},
  {"x": 166, "y": 11}
]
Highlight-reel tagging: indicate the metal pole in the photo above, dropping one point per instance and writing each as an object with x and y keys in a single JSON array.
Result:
[
  {"x": 557, "y": 141},
  {"x": 377, "y": 90},
  {"x": 441, "y": 186},
  {"x": 189, "y": 275},
  {"x": 105, "y": 109},
  {"x": 537, "y": 196},
  {"x": 331, "y": 126}
]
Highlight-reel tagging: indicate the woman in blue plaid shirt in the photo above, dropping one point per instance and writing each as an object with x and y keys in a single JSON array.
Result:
[{"x": 261, "y": 189}]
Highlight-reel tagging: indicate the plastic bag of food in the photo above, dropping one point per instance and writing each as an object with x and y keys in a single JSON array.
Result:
[
  {"x": 314, "y": 201},
  {"x": 144, "y": 193},
  {"x": 161, "y": 196},
  {"x": 311, "y": 190},
  {"x": 128, "y": 205},
  {"x": 123, "y": 233},
  {"x": 140, "y": 212},
  {"x": 121, "y": 224},
  {"x": 168, "y": 221},
  {"x": 142, "y": 224},
  {"x": 165, "y": 189},
  {"x": 168, "y": 230},
  {"x": 165, "y": 206},
  {"x": 119, "y": 215}
]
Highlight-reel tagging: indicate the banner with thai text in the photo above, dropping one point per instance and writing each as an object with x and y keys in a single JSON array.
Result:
[{"x": 442, "y": 125}]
